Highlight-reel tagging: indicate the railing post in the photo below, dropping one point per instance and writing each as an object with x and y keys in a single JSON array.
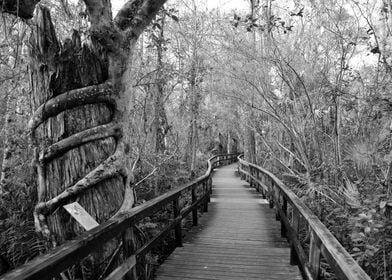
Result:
[
  {"x": 254, "y": 183},
  {"x": 250, "y": 180},
  {"x": 206, "y": 191},
  {"x": 314, "y": 256},
  {"x": 271, "y": 194},
  {"x": 178, "y": 228},
  {"x": 208, "y": 187},
  {"x": 294, "y": 260},
  {"x": 278, "y": 207},
  {"x": 256, "y": 175},
  {"x": 284, "y": 210},
  {"x": 264, "y": 192},
  {"x": 194, "y": 211}
]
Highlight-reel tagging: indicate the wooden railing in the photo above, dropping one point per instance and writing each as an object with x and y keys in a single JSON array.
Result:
[
  {"x": 293, "y": 213},
  {"x": 71, "y": 253}
]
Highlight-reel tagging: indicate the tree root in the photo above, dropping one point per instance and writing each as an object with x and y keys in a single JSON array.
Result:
[
  {"x": 102, "y": 93},
  {"x": 115, "y": 165},
  {"x": 78, "y": 139},
  {"x": 111, "y": 167}
]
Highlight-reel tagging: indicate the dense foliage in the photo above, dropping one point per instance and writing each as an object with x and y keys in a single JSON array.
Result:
[{"x": 306, "y": 83}]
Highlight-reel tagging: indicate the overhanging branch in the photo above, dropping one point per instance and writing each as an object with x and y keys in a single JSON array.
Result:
[{"x": 135, "y": 15}]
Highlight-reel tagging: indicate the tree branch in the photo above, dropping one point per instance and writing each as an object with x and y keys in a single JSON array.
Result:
[
  {"x": 135, "y": 15},
  {"x": 99, "y": 12}
]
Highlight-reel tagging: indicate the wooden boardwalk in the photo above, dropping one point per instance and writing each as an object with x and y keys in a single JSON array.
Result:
[{"x": 237, "y": 239}]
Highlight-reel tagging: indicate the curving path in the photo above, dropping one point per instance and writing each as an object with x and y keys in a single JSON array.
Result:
[{"x": 237, "y": 239}]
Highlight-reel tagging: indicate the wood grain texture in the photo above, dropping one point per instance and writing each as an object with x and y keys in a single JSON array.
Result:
[
  {"x": 51, "y": 264},
  {"x": 341, "y": 262},
  {"x": 237, "y": 239}
]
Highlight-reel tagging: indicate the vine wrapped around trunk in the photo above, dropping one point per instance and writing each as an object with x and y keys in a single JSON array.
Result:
[{"x": 80, "y": 126}]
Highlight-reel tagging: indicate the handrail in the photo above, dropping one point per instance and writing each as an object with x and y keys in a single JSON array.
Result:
[
  {"x": 322, "y": 241},
  {"x": 53, "y": 263}
]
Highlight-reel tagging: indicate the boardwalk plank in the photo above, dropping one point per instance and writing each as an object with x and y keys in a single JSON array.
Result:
[{"x": 237, "y": 239}]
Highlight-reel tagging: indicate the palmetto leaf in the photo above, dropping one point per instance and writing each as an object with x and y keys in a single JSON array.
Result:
[
  {"x": 360, "y": 154},
  {"x": 351, "y": 194}
]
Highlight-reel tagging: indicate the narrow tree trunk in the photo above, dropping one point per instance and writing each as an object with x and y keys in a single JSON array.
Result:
[
  {"x": 337, "y": 131},
  {"x": 195, "y": 99},
  {"x": 160, "y": 126},
  {"x": 7, "y": 142},
  {"x": 195, "y": 134},
  {"x": 250, "y": 148},
  {"x": 223, "y": 142},
  {"x": 232, "y": 143}
]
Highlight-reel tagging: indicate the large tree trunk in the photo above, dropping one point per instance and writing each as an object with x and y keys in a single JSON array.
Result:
[
  {"x": 75, "y": 68},
  {"x": 76, "y": 154},
  {"x": 80, "y": 127}
]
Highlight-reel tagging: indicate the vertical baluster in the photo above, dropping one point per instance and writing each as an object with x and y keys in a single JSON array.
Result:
[
  {"x": 294, "y": 260},
  {"x": 250, "y": 176},
  {"x": 207, "y": 192},
  {"x": 264, "y": 192},
  {"x": 314, "y": 255},
  {"x": 178, "y": 228},
  {"x": 254, "y": 183},
  {"x": 283, "y": 232},
  {"x": 194, "y": 211},
  {"x": 271, "y": 194},
  {"x": 208, "y": 187},
  {"x": 277, "y": 208}
]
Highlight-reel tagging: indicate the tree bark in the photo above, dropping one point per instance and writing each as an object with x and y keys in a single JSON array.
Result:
[
  {"x": 232, "y": 143},
  {"x": 8, "y": 141},
  {"x": 160, "y": 126},
  {"x": 223, "y": 142},
  {"x": 250, "y": 147},
  {"x": 80, "y": 128},
  {"x": 194, "y": 107}
]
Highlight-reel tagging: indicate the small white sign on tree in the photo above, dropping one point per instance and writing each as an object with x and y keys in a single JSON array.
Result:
[{"x": 81, "y": 216}]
